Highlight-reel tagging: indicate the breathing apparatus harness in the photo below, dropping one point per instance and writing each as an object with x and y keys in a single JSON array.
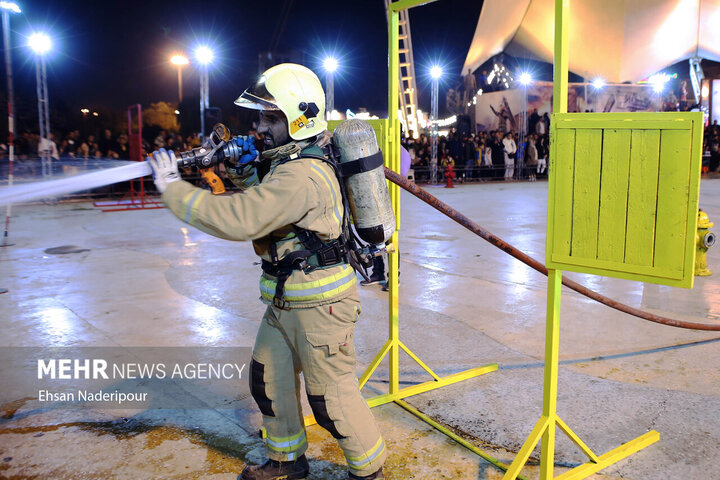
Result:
[{"x": 346, "y": 249}]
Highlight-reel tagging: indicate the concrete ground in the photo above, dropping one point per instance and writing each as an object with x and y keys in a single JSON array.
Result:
[{"x": 145, "y": 279}]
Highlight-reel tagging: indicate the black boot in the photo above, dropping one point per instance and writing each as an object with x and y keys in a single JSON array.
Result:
[
  {"x": 378, "y": 474},
  {"x": 274, "y": 470}
]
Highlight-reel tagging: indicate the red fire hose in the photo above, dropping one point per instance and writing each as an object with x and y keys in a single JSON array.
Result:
[{"x": 526, "y": 259}]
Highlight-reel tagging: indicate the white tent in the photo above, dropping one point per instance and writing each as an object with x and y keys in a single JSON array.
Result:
[{"x": 618, "y": 40}]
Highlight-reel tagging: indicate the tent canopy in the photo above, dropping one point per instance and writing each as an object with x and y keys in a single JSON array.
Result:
[{"x": 618, "y": 40}]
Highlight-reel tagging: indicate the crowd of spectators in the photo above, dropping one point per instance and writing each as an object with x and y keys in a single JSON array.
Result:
[
  {"x": 484, "y": 156},
  {"x": 109, "y": 145},
  {"x": 494, "y": 155}
]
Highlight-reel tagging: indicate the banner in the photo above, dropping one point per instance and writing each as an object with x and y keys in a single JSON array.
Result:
[{"x": 503, "y": 110}]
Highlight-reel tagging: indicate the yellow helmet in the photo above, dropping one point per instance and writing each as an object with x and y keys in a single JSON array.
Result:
[{"x": 294, "y": 90}]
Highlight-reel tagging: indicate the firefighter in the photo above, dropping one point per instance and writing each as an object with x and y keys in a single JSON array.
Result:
[{"x": 293, "y": 214}]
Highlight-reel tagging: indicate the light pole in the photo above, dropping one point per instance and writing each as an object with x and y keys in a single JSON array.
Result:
[
  {"x": 330, "y": 65},
  {"x": 41, "y": 44},
  {"x": 598, "y": 84},
  {"x": 435, "y": 72},
  {"x": 525, "y": 80},
  {"x": 7, "y": 8},
  {"x": 204, "y": 56},
  {"x": 179, "y": 61}
]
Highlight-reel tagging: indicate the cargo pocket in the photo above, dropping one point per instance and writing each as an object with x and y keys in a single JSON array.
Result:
[{"x": 330, "y": 356}]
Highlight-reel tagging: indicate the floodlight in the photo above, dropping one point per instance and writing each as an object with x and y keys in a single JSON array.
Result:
[
  {"x": 40, "y": 43},
  {"x": 10, "y": 6},
  {"x": 598, "y": 83},
  {"x": 204, "y": 55},
  {"x": 658, "y": 81},
  {"x": 525, "y": 78},
  {"x": 180, "y": 60},
  {"x": 436, "y": 72},
  {"x": 330, "y": 64}
]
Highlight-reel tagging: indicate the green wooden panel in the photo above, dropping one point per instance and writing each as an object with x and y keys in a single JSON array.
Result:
[
  {"x": 673, "y": 180},
  {"x": 563, "y": 167},
  {"x": 633, "y": 180},
  {"x": 613, "y": 195},
  {"x": 642, "y": 197},
  {"x": 586, "y": 191}
]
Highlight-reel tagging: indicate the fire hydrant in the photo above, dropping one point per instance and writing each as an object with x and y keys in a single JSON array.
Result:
[
  {"x": 449, "y": 175},
  {"x": 704, "y": 239}
]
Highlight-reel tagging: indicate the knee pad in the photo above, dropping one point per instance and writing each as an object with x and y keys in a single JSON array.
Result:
[
  {"x": 319, "y": 409},
  {"x": 257, "y": 388}
]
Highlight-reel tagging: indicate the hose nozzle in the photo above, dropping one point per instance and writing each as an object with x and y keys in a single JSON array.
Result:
[{"x": 216, "y": 149}]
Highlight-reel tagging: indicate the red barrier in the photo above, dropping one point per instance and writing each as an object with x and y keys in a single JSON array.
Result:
[{"x": 134, "y": 199}]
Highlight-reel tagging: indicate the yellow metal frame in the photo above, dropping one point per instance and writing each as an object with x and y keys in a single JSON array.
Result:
[
  {"x": 389, "y": 130},
  {"x": 544, "y": 430}
]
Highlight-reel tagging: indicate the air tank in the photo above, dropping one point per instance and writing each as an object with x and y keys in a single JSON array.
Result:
[{"x": 367, "y": 190}]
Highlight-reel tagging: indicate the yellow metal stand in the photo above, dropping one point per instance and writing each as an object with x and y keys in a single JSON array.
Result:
[
  {"x": 545, "y": 427},
  {"x": 544, "y": 430},
  {"x": 393, "y": 346},
  {"x": 391, "y": 147}
]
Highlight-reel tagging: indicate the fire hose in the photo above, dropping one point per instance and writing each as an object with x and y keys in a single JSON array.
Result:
[{"x": 458, "y": 217}]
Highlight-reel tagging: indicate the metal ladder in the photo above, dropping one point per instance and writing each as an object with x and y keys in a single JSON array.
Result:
[{"x": 408, "y": 88}]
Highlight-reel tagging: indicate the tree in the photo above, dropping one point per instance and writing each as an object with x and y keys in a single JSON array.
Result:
[{"x": 161, "y": 114}]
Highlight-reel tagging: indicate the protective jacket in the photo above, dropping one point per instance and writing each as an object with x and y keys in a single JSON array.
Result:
[{"x": 297, "y": 193}]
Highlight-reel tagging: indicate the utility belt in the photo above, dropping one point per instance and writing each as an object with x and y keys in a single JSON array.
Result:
[{"x": 315, "y": 254}]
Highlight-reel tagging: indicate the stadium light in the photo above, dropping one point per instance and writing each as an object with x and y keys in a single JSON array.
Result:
[
  {"x": 525, "y": 79},
  {"x": 179, "y": 60},
  {"x": 10, "y": 6},
  {"x": 598, "y": 83},
  {"x": 7, "y": 8},
  {"x": 658, "y": 81},
  {"x": 330, "y": 64},
  {"x": 40, "y": 43},
  {"x": 435, "y": 72},
  {"x": 204, "y": 55}
]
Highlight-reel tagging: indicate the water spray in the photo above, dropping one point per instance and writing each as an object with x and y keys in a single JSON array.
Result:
[{"x": 218, "y": 148}]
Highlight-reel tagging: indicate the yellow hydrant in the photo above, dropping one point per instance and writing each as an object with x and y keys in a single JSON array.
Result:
[{"x": 704, "y": 239}]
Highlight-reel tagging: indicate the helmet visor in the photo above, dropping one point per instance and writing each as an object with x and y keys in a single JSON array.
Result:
[{"x": 257, "y": 97}]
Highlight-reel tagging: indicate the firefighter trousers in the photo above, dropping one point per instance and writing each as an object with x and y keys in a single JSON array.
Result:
[{"x": 318, "y": 342}]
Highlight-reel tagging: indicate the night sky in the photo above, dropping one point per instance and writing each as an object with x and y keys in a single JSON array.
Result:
[{"x": 114, "y": 54}]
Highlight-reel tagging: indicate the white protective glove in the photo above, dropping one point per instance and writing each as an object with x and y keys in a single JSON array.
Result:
[{"x": 164, "y": 167}]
